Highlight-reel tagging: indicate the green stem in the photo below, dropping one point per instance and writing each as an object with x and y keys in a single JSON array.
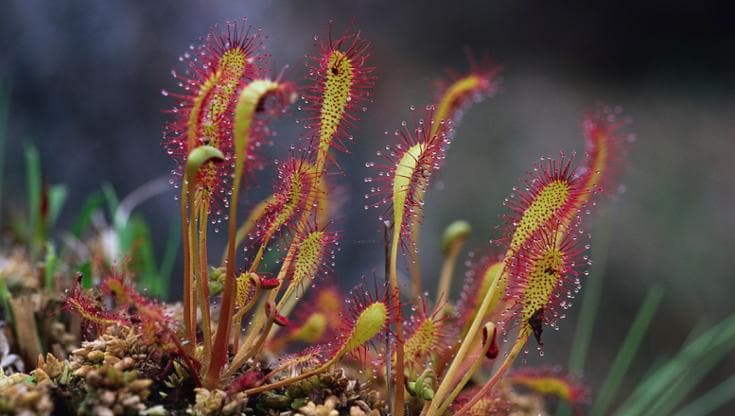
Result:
[
  {"x": 627, "y": 352},
  {"x": 499, "y": 373},
  {"x": 242, "y": 232},
  {"x": 237, "y": 319},
  {"x": 399, "y": 394},
  {"x": 465, "y": 378},
  {"x": 445, "y": 278},
  {"x": 414, "y": 267},
  {"x": 260, "y": 318},
  {"x": 203, "y": 288},
  {"x": 464, "y": 347},
  {"x": 259, "y": 255},
  {"x": 224, "y": 324},
  {"x": 592, "y": 295},
  {"x": 245, "y": 354},
  {"x": 286, "y": 382}
]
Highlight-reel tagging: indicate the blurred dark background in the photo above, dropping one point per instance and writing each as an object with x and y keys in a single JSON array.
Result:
[{"x": 86, "y": 80}]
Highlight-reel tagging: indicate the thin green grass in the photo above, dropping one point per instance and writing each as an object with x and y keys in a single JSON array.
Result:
[
  {"x": 668, "y": 386},
  {"x": 4, "y": 115},
  {"x": 592, "y": 294},
  {"x": 91, "y": 205},
  {"x": 86, "y": 270},
  {"x": 56, "y": 198},
  {"x": 51, "y": 263},
  {"x": 709, "y": 402},
  {"x": 5, "y": 300},
  {"x": 627, "y": 352},
  {"x": 169, "y": 256},
  {"x": 33, "y": 190}
]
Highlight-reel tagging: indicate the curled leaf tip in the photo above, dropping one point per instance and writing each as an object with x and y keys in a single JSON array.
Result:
[{"x": 198, "y": 157}]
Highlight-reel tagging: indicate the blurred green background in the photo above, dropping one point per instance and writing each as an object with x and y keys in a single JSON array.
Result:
[{"x": 86, "y": 80}]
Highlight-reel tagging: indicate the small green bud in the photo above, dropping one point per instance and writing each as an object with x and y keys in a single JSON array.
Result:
[
  {"x": 276, "y": 401},
  {"x": 216, "y": 280},
  {"x": 420, "y": 390},
  {"x": 456, "y": 233}
]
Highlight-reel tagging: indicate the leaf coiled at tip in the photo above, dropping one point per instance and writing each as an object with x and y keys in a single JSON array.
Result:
[
  {"x": 198, "y": 157},
  {"x": 249, "y": 103}
]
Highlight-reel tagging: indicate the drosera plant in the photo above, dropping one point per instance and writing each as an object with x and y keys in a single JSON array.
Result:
[
  {"x": 223, "y": 110},
  {"x": 540, "y": 271},
  {"x": 544, "y": 247},
  {"x": 264, "y": 328},
  {"x": 215, "y": 122}
]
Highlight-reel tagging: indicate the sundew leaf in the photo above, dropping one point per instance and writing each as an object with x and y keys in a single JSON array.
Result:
[
  {"x": 368, "y": 324},
  {"x": 627, "y": 352},
  {"x": 340, "y": 85}
]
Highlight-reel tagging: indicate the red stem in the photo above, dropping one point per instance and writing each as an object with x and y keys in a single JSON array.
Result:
[{"x": 224, "y": 325}]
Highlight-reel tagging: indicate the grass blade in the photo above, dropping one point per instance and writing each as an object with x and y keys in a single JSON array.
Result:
[
  {"x": 710, "y": 401},
  {"x": 5, "y": 300},
  {"x": 710, "y": 346},
  {"x": 682, "y": 386},
  {"x": 90, "y": 206},
  {"x": 112, "y": 201},
  {"x": 137, "y": 244},
  {"x": 56, "y": 199},
  {"x": 627, "y": 351},
  {"x": 4, "y": 114},
  {"x": 33, "y": 189},
  {"x": 590, "y": 304},
  {"x": 695, "y": 369},
  {"x": 169, "y": 256},
  {"x": 86, "y": 270},
  {"x": 50, "y": 265},
  {"x": 591, "y": 299}
]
